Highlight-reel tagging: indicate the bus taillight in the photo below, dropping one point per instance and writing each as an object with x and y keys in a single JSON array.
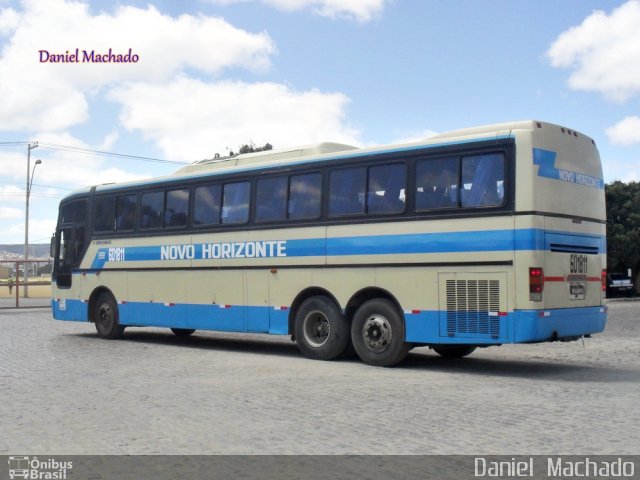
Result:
[
  {"x": 603, "y": 280},
  {"x": 536, "y": 284}
]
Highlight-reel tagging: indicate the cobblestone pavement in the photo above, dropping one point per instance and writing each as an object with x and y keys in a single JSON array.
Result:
[{"x": 65, "y": 391}]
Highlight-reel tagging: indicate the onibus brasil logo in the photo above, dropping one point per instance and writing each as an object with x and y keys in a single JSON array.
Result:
[{"x": 32, "y": 468}]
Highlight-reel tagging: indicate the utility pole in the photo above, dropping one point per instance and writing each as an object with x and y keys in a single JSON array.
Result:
[{"x": 25, "y": 268}]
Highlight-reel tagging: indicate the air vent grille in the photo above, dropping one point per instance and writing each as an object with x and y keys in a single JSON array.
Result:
[{"x": 473, "y": 307}]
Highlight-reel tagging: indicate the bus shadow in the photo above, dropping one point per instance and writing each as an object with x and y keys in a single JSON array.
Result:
[
  {"x": 551, "y": 370},
  {"x": 281, "y": 346},
  {"x": 537, "y": 369}
]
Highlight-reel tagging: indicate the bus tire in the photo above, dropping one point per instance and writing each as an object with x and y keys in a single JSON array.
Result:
[
  {"x": 106, "y": 317},
  {"x": 377, "y": 333},
  {"x": 183, "y": 332},
  {"x": 321, "y": 329},
  {"x": 454, "y": 351}
]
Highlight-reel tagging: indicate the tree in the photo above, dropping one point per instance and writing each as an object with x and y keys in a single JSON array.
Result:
[
  {"x": 623, "y": 226},
  {"x": 252, "y": 148},
  {"x": 246, "y": 148}
]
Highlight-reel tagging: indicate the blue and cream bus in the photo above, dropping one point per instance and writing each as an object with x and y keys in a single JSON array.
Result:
[{"x": 472, "y": 238}]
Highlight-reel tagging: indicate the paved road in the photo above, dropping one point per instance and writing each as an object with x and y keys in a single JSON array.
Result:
[{"x": 65, "y": 391}]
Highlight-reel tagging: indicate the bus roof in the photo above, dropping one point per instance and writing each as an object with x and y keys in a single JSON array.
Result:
[{"x": 326, "y": 151}]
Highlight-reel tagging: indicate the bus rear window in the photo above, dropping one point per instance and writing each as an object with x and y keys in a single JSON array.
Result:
[
  {"x": 468, "y": 182},
  {"x": 482, "y": 180}
]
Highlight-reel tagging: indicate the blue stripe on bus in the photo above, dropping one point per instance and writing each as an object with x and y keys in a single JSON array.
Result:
[
  {"x": 574, "y": 243},
  {"x": 418, "y": 243},
  {"x": 520, "y": 326},
  {"x": 226, "y": 318},
  {"x": 546, "y": 161},
  {"x": 427, "y": 326}
]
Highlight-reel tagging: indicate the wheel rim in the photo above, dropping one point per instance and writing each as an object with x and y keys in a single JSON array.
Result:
[
  {"x": 316, "y": 329},
  {"x": 105, "y": 316},
  {"x": 376, "y": 333}
]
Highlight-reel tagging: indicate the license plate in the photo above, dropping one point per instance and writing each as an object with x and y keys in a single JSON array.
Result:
[{"x": 576, "y": 291}]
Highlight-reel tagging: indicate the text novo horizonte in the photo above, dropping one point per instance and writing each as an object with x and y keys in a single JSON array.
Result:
[
  {"x": 207, "y": 251},
  {"x": 88, "y": 56}
]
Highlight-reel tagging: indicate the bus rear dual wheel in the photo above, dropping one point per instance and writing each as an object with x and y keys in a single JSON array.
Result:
[
  {"x": 321, "y": 330},
  {"x": 376, "y": 333}
]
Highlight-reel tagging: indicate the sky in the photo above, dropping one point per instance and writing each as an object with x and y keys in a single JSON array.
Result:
[{"x": 211, "y": 75}]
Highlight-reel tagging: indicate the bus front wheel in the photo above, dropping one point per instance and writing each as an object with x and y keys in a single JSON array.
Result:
[
  {"x": 321, "y": 329},
  {"x": 105, "y": 316},
  {"x": 377, "y": 333}
]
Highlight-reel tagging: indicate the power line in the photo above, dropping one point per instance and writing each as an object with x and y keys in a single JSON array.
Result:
[
  {"x": 72, "y": 149},
  {"x": 67, "y": 148},
  {"x": 32, "y": 194},
  {"x": 51, "y": 186}
]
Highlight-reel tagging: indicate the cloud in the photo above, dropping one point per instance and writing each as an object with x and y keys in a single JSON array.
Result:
[
  {"x": 59, "y": 167},
  {"x": 9, "y": 19},
  {"x": 39, "y": 230},
  {"x": 603, "y": 52},
  {"x": 626, "y": 132},
  {"x": 414, "y": 136},
  {"x": 191, "y": 119},
  {"x": 11, "y": 194},
  {"x": 359, "y": 10},
  {"x": 54, "y": 96},
  {"x": 77, "y": 170},
  {"x": 624, "y": 171},
  {"x": 10, "y": 212}
]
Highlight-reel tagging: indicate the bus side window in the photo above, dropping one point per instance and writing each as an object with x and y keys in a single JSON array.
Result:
[
  {"x": 104, "y": 214},
  {"x": 177, "y": 212},
  {"x": 347, "y": 190},
  {"x": 235, "y": 202},
  {"x": 206, "y": 205},
  {"x": 483, "y": 180},
  {"x": 304, "y": 196},
  {"x": 126, "y": 212},
  {"x": 436, "y": 183},
  {"x": 271, "y": 199},
  {"x": 387, "y": 185},
  {"x": 151, "y": 210}
]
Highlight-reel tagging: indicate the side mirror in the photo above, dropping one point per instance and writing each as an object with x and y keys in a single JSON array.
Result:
[{"x": 52, "y": 246}]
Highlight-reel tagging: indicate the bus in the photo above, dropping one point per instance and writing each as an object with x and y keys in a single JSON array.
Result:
[{"x": 473, "y": 238}]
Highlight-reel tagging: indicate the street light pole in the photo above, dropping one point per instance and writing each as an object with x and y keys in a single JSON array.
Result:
[{"x": 25, "y": 277}]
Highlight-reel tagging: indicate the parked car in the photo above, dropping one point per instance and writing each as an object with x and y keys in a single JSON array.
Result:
[{"x": 619, "y": 285}]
